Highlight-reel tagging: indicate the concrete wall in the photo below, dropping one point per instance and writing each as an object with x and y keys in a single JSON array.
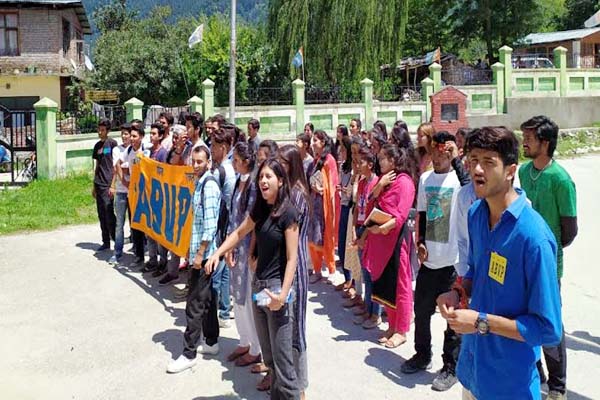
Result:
[
  {"x": 74, "y": 152},
  {"x": 567, "y": 112},
  {"x": 30, "y": 85}
]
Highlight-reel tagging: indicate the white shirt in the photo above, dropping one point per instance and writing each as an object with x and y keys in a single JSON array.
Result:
[
  {"x": 116, "y": 154},
  {"x": 465, "y": 198},
  {"x": 437, "y": 198}
]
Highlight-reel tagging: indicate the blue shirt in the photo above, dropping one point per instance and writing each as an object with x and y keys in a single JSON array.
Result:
[
  {"x": 206, "y": 216},
  {"x": 493, "y": 366}
]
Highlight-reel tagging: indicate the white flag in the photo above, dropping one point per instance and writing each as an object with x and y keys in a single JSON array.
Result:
[{"x": 196, "y": 37}]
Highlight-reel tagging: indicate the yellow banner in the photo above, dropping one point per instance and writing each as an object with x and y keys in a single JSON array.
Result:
[{"x": 160, "y": 198}]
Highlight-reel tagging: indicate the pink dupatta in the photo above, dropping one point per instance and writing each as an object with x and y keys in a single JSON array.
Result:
[{"x": 396, "y": 199}]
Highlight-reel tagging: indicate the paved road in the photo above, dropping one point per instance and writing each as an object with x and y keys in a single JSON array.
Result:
[{"x": 71, "y": 327}]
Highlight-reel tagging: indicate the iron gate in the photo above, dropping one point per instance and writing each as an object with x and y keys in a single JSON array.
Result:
[{"x": 17, "y": 136}]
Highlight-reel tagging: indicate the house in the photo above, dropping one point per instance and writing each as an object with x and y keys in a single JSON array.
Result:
[
  {"x": 41, "y": 50},
  {"x": 583, "y": 46}
]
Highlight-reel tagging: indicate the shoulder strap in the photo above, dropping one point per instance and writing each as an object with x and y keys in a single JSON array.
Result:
[
  {"x": 208, "y": 178},
  {"x": 222, "y": 176}
]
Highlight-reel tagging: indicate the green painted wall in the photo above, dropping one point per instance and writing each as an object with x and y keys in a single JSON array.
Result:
[
  {"x": 481, "y": 101},
  {"x": 547, "y": 84},
  {"x": 412, "y": 118},
  {"x": 276, "y": 124},
  {"x": 576, "y": 83},
  {"x": 388, "y": 117},
  {"x": 79, "y": 160},
  {"x": 524, "y": 84},
  {"x": 594, "y": 83},
  {"x": 323, "y": 122},
  {"x": 346, "y": 118}
]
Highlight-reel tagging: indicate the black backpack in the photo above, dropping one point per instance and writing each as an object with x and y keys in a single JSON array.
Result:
[{"x": 223, "y": 220}]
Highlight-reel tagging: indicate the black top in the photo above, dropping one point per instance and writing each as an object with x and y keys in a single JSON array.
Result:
[
  {"x": 104, "y": 166},
  {"x": 270, "y": 241}
]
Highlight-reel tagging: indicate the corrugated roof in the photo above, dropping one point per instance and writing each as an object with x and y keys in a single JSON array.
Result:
[
  {"x": 76, "y": 4},
  {"x": 551, "y": 37}
]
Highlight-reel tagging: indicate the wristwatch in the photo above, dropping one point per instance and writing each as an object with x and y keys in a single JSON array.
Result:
[{"x": 482, "y": 326}]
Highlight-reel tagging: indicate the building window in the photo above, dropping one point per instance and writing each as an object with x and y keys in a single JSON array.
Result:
[
  {"x": 449, "y": 112},
  {"x": 66, "y": 37},
  {"x": 9, "y": 34},
  {"x": 79, "y": 41}
]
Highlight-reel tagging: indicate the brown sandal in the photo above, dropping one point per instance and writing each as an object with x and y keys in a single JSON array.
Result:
[
  {"x": 259, "y": 368},
  {"x": 247, "y": 359},
  {"x": 237, "y": 353},
  {"x": 265, "y": 383}
]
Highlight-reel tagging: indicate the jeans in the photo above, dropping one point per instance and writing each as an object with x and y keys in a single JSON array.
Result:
[
  {"x": 556, "y": 361},
  {"x": 275, "y": 329},
  {"x": 106, "y": 214},
  {"x": 220, "y": 282},
  {"x": 155, "y": 250},
  {"x": 371, "y": 307},
  {"x": 121, "y": 204},
  {"x": 200, "y": 312},
  {"x": 430, "y": 284},
  {"x": 344, "y": 216}
]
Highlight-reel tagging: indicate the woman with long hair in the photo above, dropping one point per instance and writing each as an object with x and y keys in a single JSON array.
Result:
[
  {"x": 325, "y": 205},
  {"x": 425, "y": 133},
  {"x": 387, "y": 249},
  {"x": 242, "y": 201},
  {"x": 290, "y": 158},
  {"x": 340, "y": 133},
  {"x": 274, "y": 222},
  {"x": 345, "y": 190}
]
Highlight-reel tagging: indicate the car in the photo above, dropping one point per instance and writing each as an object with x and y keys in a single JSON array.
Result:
[{"x": 531, "y": 62}]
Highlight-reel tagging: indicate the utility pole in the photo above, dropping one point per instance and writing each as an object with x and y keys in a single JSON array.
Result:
[{"x": 232, "y": 63}]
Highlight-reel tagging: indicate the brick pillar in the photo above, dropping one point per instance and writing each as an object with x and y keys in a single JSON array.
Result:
[
  {"x": 367, "y": 98},
  {"x": 45, "y": 123},
  {"x": 133, "y": 108},
  {"x": 498, "y": 70},
  {"x": 208, "y": 93},
  {"x": 195, "y": 104},
  {"x": 426, "y": 92},
  {"x": 560, "y": 61},
  {"x": 298, "y": 92}
]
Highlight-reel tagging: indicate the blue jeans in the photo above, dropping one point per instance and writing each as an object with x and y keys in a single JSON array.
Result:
[
  {"x": 371, "y": 307},
  {"x": 344, "y": 216},
  {"x": 220, "y": 282},
  {"x": 121, "y": 210}
]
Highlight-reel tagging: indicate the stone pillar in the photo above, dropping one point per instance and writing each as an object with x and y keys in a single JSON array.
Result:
[
  {"x": 195, "y": 104},
  {"x": 298, "y": 98},
  {"x": 208, "y": 94},
  {"x": 45, "y": 123},
  {"x": 506, "y": 59},
  {"x": 435, "y": 73},
  {"x": 498, "y": 70},
  {"x": 560, "y": 61},
  {"x": 426, "y": 92},
  {"x": 367, "y": 98},
  {"x": 133, "y": 107}
]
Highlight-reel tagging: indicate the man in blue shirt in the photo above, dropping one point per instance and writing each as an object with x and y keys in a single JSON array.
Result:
[{"x": 515, "y": 304}]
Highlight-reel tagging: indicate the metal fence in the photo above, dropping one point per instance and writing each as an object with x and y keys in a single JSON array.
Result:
[
  {"x": 533, "y": 60},
  {"x": 17, "y": 136},
  {"x": 399, "y": 93},
  {"x": 74, "y": 122},
  {"x": 152, "y": 113},
  {"x": 467, "y": 76},
  {"x": 334, "y": 94},
  {"x": 266, "y": 96},
  {"x": 577, "y": 60}
]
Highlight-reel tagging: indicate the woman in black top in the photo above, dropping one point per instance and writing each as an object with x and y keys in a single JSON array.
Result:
[{"x": 274, "y": 221}]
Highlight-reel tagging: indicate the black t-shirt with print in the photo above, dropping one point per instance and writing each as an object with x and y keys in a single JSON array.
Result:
[
  {"x": 104, "y": 165},
  {"x": 270, "y": 240}
]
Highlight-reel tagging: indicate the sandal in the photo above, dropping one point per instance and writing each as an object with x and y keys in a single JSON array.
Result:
[
  {"x": 247, "y": 359},
  {"x": 349, "y": 293},
  {"x": 259, "y": 368},
  {"x": 265, "y": 383},
  {"x": 385, "y": 337},
  {"x": 237, "y": 353},
  {"x": 395, "y": 340}
]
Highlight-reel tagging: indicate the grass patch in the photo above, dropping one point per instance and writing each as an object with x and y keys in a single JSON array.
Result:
[{"x": 47, "y": 205}]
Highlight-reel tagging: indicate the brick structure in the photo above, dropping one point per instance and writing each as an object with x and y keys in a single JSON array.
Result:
[
  {"x": 449, "y": 110},
  {"x": 50, "y": 43}
]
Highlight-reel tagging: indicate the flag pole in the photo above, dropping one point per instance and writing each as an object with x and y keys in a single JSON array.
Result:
[{"x": 232, "y": 63}]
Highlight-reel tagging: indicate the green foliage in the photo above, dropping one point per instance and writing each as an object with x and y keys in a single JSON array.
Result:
[
  {"x": 342, "y": 40},
  {"x": 113, "y": 16},
  {"x": 149, "y": 58},
  {"x": 47, "y": 205},
  {"x": 577, "y": 12}
]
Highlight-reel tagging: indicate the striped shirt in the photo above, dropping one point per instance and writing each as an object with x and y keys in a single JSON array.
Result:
[{"x": 206, "y": 216}]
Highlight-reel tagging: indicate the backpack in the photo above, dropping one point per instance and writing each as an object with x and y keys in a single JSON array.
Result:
[{"x": 223, "y": 220}]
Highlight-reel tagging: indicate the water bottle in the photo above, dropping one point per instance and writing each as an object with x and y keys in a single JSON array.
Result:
[{"x": 262, "y": 299}]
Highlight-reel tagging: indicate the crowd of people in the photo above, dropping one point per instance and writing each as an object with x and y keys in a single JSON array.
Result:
[{"x": 397, "y": 228}]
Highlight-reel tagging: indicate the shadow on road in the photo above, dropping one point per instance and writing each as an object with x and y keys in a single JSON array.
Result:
[
  {"x": 101, "y": 256},
  {"x": 583, "y": 341},
  {"x": 378, "y": 358}
]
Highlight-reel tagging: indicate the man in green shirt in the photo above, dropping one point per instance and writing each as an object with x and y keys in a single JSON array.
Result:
[{"x": 552, "y": 193}]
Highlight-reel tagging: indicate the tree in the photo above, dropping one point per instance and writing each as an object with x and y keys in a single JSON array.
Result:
[
  {"x": 577, "y": 12},
  {"x": 113, "y": 16},
  {"x": 497, "y": 22},
  {"x": 343, "y": 40}
]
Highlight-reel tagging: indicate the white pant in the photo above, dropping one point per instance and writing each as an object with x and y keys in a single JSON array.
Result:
[
  {"x": 466, "y": 395},
  {"x": 244, "y": 320}
]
